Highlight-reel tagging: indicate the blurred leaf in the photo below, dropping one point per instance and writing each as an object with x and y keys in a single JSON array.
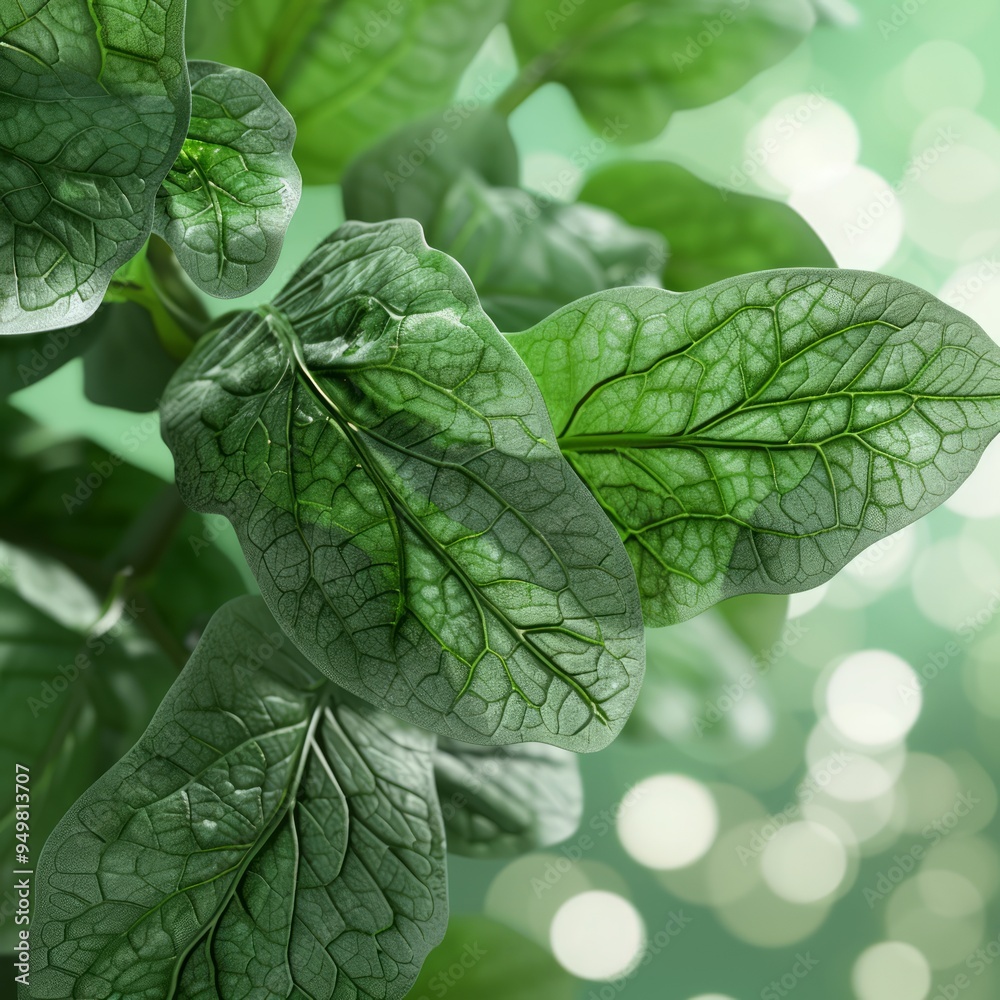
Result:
[
  {"x": 756, "y": 619},
  {"x": 527, "y": 255},
  {"x": 503, "y": 802},
  {"x": 27, "y": 358},
  {"x": 756, "y": 435},
  {"x": 347, "y": 71},
  {"x": 408, "y": 175},
  {"x": 480, "y": 959},
  {"x": 76, "y": 694},
  {"x": 636, "y": 62},
  {"x": 702, "y": 691},
  {"x": 386, "y": 460},
  {"x": 293, "y": 832},
  {"x": 87, "y": 507},
  {"x": 95, "y": 107},
  {"x": 126, "y": 366},
  {"x": 712, "y": 234},
  {"x": 227, "y": 201}
]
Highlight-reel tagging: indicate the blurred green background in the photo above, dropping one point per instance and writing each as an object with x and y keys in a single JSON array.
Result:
[{"x": 828, "y": 827}]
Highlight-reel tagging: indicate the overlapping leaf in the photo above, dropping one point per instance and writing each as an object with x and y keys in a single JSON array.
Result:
[
  {"x": 506, "y": 801},
  {"x": 348, "y": 71},
  {"x": 756, "y": 435},
  {"x": 391, "y": 472},
  {"x": 638, "y": 62},
  {"x": 96, "y": 105},
  {"x": 227, "y": 201},
  {"x": 527, "y": 254},
  {"x": 267, "y": 836},
  {"x": 712, "y": 233}
]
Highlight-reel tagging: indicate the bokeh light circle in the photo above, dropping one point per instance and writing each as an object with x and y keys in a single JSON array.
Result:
[
  {"x": 891, "y": 969},
  {"x": 597, "y": 935},
  {"x": 804, "y": 862}
]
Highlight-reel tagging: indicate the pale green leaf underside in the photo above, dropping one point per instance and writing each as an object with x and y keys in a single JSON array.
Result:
[
  {"x": 637, "y": 61},
  {"x": 96, "y": 103},
  {"x": 756, "y": 435},
  {"x": 226, "y": 203},
  {"x": 348, "y": 71},
  {"x": 499, "y": 802},
  {"x": 390, "y": 469},
  {"x": 268, "y": 836}
]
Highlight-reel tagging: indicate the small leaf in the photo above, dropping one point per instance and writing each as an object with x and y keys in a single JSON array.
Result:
[
  {"x": 391, "y": 472},
  {"x": 128, "y": 342},
  {"x": 226, "y": 203},
  {"x": 96, "y": 104},
  {"x": 635, "y": 62},
  {"x": 348, "y": 72},
  {"x": 713, "y": 233},
  {"x": 526, "y": 254},
  {"x": 756, "y": 435},
  {"x": 499, "y": 802},
  {"x": 267, "y": 835},
  {"x": 496, "y": 962},
  {"x": 758, "y": 620}
]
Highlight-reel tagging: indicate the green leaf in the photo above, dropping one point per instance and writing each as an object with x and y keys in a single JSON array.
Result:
[
  {"x": 227, "y": 201},
  {"x": 391, "y": 472},
  {"x": 29, "y": 357},
  {"x": 348, "y": 72},
  {"x": 128, "y": 343},
  {"x": 78, "y": 687},
  {"x": 408, "y": 175},
  {"x": 480, "y": 959},
  {"x": 756, "y": 435},
  {"x": 756, "y": 619},
  {"x": 96, "y": 104},
  {"x": 500, "y": 802},
  {"x": 526, "y": 254},
  {"x": 712, "y": 233},
  {"x": 638, "y": 61},
  {"x": 268, "y": 835}
]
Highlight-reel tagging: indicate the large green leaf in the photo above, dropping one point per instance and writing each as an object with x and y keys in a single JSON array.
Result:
[
  {"x": 96, "y": 104},
  {"x": 527, "y": 254},
  {"x": 713, "y": 234},
  {"x": 348, "y": 71},
  {"x": 499, "y": 802},
  {"x": 389, "y": 467},
  {"x": 756, "y": 435},
  {"x": 637, "y": 61},
  {"x": 77, "y": 687},
  {"x": 227, "y": 201},
  {"x": 268, "y": 836},
  {"x": 480, "y": 959}
]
